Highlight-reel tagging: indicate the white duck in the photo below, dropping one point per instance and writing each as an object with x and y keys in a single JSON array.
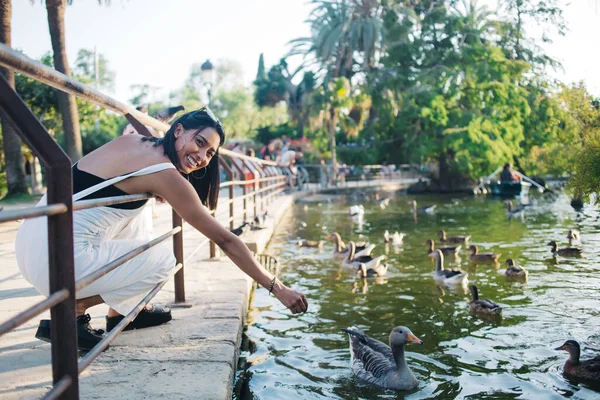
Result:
[
  {"x": 395, "y": 239},
  {"x": 356, "y": 210},
  {"x": 447, "y": 276},
  {"x": 354, "y": 262},
  {"x": 382, "y": 365}
]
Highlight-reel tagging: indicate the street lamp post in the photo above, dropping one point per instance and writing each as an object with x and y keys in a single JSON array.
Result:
[{"x": 207, "y": 71}]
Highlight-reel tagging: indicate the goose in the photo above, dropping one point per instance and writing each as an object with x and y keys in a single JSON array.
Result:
[
  {"x": 447, "y": 250},
  {"x": 353, "y": 261},
  {"x": 484, "y": 307},
  {"x": 395, "y": 239},
  {"x": 375, "y": 362},
  {"x": 453, "y": 239},
  {"x": 340, "y": 249},
  {"x": 356, "y": 210},
  {"x": 448, "y": 276},
  {"x": 425, "y": 209},
  {"x": 379, "y": 270},
  {"x": 566, "y": 251},
  {"x": 384, "y": 203},
  {"x": 587, "y": 369},
  {"x": 485, "y": 257},
  {"x": 513, "y": 210},
  {"x": 311, "y": 243},
  {"x": 515, "y": 271}
]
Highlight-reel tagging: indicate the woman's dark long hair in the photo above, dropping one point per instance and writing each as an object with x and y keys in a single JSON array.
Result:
[{"x": 207, "y": 185}]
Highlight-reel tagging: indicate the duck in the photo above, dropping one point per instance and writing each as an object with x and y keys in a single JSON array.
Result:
[
  {"x": 453, "y": 239},
  {"x": 513, "y": 210},
  {"x": 483, "y": 307},
  {"x": 573, "y": 235},
  {"x": 340, "y": 249},
  {"x": 371, "y": 272},
  {"x": 311, "y": 243},
  {"x": 353, "y": 260},
  {"x": 447, "y": 250},
  {"x": 425, "y": 209},
  {"x": 384, "y": 203},
  {"x": 448, "y": 276},
  {"x": 356, "y": 210},
  {"x": 587, "y": 369},
  {"x": 379, "y": 364},
  {"x": 486, "y": 257},
  {"x": 515, "y": 271},
  {"x": 565, "y": 251},
  {"x": 395, "y": 239}
]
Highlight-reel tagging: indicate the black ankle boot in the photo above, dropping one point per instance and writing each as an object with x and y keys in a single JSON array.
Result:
[{"x": 87, "y": 337}]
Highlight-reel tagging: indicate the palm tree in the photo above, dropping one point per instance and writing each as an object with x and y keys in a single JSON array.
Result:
[
  {"x": 15, "y": 168},
  {"x": 66, "y": 102}
]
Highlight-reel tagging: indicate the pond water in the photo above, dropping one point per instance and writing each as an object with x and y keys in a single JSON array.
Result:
[{"x": 463, "y": 356}]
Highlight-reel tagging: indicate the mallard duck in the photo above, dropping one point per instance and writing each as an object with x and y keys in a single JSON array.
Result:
[
  {"x": 368, "y": 272},
  {"x": 485, "y": 257},
  {"x": 311, "y": 243},
  {"x": 483, "y": 307},
  {"x": 395, "y": 239},
  {"x": 340, "y": 250},
  {"x": 515, "y": 271},
  {"x": 375, "y": 362},
  {"x": 448, "y": 276},
  {"x": 566, "y": 251},
  {"x": 588, "y": 369},
  {"x": 453, "y": 239},
  {"x": 422, "y": 210},
  {"x": 353, "y": 261},
  {"x": 356, "y": 210},
  {"x": 447, "y": 250}
]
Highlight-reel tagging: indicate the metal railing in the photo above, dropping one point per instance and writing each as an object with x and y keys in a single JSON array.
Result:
[{"x": 262, "y": 180}]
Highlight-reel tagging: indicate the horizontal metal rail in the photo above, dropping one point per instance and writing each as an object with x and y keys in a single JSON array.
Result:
[
  {"x": 33, "y": 311},
  {"x": 109, "y": 201},
  {"x": 92, "y": 354},
  {"x": 59, "y": 388},
  {"x": 32, "y": 212},
  {"x": 90, "y": 278}
]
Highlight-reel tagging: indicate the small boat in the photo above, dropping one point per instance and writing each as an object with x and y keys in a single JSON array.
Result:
[{"x": 510, "y": 189}]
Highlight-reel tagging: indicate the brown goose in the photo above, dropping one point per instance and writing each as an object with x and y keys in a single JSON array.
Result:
[
  {"x": 565, "y": 251},
  {"x": 515, "y": 271},
  {"x": 484, "y": 257},
  {"x": 311, "y": 243},
  {"x": 447, "y": 250},
  {"x": 573, "y": 234},
  {"x": 453, "y": 239},
  {"x": 483, "y": 307},
  {"x": 371, "y": 272},
  {"x": 354, "y": 260},
  {"x": 587, "y": 369},
  {"x": 447, "y": 276},
  {"x": 375, "y": 362},
  {"x": 422, "y": 210},
  {"x": 340, "y": 249}
]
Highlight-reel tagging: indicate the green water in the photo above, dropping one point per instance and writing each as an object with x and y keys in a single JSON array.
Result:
[{"x": 307, "y": 356}]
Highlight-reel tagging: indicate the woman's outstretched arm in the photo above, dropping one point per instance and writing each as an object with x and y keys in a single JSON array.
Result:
[{"x": 182, "y": 197}]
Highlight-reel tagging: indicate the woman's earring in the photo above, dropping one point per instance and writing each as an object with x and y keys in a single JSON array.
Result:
[
  {"x": 199, "y": 177},
  {"x": 184, "y": 143}
]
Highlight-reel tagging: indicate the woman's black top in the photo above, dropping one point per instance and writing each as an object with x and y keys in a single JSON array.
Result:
[{"x": 83, "y": 180}]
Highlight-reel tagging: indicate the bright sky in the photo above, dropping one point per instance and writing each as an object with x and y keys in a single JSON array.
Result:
[{"x": 156, "y": 41}]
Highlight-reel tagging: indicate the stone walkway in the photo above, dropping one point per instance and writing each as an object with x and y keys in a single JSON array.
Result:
[{"x": 193, "y": 356}]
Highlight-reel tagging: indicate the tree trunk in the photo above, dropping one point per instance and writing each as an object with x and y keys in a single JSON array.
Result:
[
  {"x": 66, "y": 102},
  {"x": 15, "y": 166},
  {"x": 333, "y": 121}
]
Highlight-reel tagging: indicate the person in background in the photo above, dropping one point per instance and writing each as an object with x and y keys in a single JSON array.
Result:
[
  {"x": 289, "y": 159},
  {"x": 509, "y": 175}
]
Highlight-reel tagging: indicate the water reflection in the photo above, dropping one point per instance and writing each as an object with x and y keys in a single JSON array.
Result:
[{"x": 464, "y": 356}]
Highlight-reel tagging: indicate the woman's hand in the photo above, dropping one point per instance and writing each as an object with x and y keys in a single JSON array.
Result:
[{"x": 290, "y": 298}]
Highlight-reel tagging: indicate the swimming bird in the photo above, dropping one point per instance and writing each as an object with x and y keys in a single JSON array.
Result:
[
  {"x": 447, "y": 250},
  {"x": 311, "y": 243},
  {"x": 370, "y": 272},
  {"x": 453, "y": 239},
  {"x": 565, "y": 251},
  {"x": 587, "y": 369},
  {"x": 384, "y": 203},
  {"x": 356, "y": 210},
  {"x": 167, "y": 113},
  {"x": 354, "y": 261},
  {"x": 395, "y": 239},
  {"x": 483, "y": 307},
  {"x": 573, "y": 235},
  {"x": 340, "y": 250},
  {"x": 485, "y": 257},
  {"x": 513, "y": 210},
  {"x": 449, "y": 276},
  {"x": 422, "y": 210},
  {"x": 515, "y": 271},
  {"x": 375, "y": 362}
]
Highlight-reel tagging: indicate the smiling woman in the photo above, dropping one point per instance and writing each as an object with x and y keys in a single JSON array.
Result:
[{"x": 183, "y": 169}]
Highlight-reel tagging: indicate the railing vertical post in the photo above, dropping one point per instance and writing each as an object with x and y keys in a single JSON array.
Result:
[
  {"x": 178, "y": 251},
  {"x": 229, "y": 173}
]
